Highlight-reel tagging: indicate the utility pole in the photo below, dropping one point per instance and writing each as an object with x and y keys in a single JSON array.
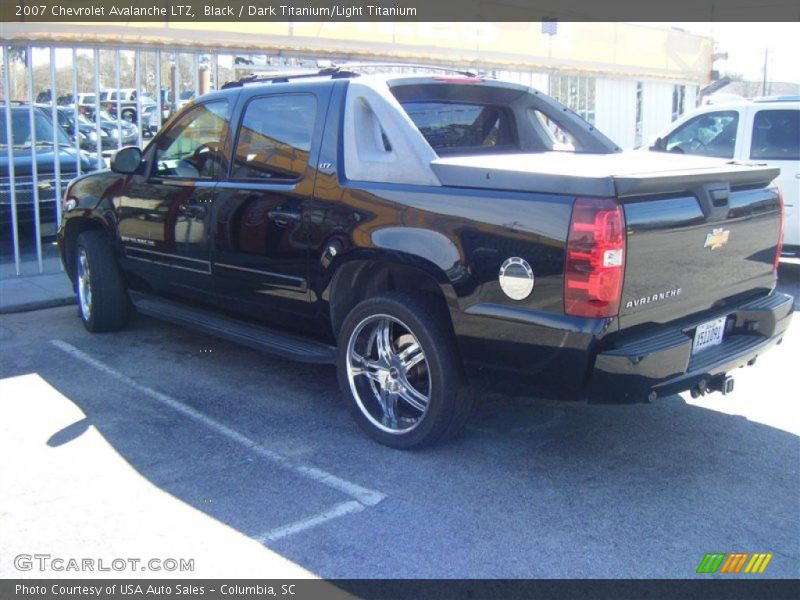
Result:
[{"x": 764, "y": 83}]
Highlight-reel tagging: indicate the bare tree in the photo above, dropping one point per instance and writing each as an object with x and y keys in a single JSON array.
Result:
[{"x": 741, "y": 86}]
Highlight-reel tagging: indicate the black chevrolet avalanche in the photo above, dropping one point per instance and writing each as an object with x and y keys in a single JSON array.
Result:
[{"x": 431, "y": 235}]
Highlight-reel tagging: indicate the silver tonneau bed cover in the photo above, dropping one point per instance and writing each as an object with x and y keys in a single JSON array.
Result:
[{"x": 601, "y": 175}]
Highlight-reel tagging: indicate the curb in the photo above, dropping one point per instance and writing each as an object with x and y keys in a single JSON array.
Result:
[{"x": 37, "y": 305}]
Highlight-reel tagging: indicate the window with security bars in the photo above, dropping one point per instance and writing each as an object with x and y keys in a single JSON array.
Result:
[{"x": 578, "y": 92}]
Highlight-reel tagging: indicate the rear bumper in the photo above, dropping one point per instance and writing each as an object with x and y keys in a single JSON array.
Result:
[{"x": 664, "y": 364}]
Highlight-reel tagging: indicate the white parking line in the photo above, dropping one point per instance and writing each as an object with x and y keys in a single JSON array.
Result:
[
  {"x": 363, "y": 497},
  {"x": 339, "y": 510}
]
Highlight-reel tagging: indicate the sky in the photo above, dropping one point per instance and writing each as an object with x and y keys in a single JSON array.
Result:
[{"x": 745, "y": 44}]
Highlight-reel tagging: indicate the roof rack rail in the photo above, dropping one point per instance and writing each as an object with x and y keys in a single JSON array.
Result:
[
  {"x": 275, "y": 77},
  {"x": 342, "y": 71}
]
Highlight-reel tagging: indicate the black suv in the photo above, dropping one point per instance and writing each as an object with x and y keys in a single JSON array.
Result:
[
  {"x": 428, "y": 233},
  {"x": 46, "y": 149}
]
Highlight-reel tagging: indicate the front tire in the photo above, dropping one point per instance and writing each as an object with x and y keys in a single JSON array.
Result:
[
  {"x": 400, "y": 372},
  {"x": 102, "y": 294}
]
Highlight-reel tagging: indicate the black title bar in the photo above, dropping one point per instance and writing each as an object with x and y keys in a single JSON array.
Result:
[
  {"x": 405, "y": 589},
  {"x": 123, "y": 11}
]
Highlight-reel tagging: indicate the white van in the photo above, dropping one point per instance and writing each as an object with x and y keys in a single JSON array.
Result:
[{"x": 764, "y": 130}]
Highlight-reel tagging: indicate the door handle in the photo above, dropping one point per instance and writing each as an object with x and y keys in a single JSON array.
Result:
[
  {"x": 192, "y": 210},
  {"x": 284, "y": 217}
]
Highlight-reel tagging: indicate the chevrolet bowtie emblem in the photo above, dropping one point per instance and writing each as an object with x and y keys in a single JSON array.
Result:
[{"x": 717, "y": 238}]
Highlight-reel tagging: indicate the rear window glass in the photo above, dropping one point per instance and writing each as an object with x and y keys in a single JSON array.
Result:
[
  {"x": 776, "y": 135},
  {"x": 452, "y": 128}
]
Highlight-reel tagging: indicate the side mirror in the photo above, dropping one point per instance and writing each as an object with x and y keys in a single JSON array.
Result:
[
  {"x": 126, "y": 160},
  {"x": 656, "y": 143}
]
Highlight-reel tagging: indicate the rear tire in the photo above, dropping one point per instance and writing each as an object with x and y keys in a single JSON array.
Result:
[
  {"x": 103, "y": 301},
  {"x": 399, "y": 369}
]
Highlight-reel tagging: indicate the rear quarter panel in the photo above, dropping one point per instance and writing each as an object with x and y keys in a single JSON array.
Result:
[
  {"x": 462, "y": 237},
  {"x": 464, "y": 234}
]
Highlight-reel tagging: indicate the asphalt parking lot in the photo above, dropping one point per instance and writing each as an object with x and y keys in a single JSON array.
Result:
[{"x": 159, "y": 442}]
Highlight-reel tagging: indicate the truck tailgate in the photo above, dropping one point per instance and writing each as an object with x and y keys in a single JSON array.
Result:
[{"x": 685, "y": 255}]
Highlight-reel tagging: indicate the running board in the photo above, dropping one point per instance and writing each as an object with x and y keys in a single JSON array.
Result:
[{"x": 255, "y": 336}]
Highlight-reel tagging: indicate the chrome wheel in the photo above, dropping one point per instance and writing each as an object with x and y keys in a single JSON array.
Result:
[
  {"x": 84, "y": 285},
  {"x": 388, "y": 374}
]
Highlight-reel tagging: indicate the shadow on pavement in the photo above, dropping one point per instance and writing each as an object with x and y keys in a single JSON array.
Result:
[{"x": 533, "y": 489}]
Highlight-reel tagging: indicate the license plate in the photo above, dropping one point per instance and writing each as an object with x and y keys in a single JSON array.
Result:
[{"x": 708, "y": 335}]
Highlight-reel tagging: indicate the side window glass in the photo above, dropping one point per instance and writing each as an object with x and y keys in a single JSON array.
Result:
[
  {"x": 559, "y": 139},
  {"x": 192, "y": 147},
  {"x": 711, "y": 134},
  {"x": 776, "y": 135},
  {"x": 275, "y": 137}
]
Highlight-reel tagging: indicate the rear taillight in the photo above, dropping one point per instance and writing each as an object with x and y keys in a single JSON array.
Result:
[
  {"x": 779, "y": 249},
  {"x": 595, "y": 261}
]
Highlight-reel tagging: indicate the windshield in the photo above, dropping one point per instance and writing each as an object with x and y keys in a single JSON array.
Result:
[
  {"x": 106, "y": 118},
  {"x": 21, "y": 129},
  {"x": 68, "y": 116}
]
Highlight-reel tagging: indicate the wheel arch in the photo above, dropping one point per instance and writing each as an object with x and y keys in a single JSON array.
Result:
[
  {"x": 73, "y": 227},
  {"x": 368, "y": 274}
]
